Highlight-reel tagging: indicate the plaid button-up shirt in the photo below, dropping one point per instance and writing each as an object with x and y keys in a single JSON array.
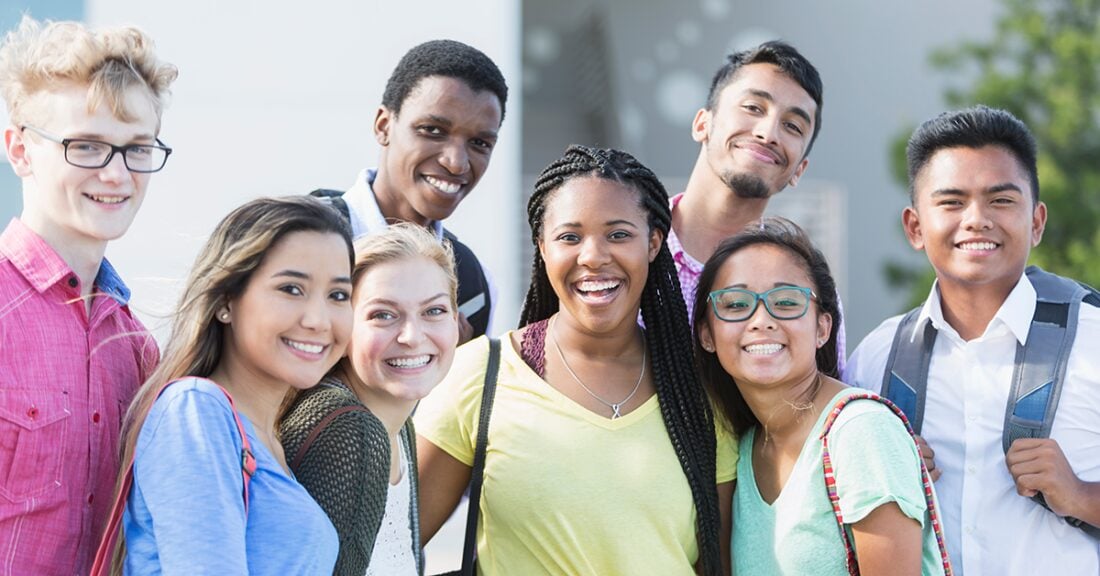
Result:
[{"x": 66, "y": 379}]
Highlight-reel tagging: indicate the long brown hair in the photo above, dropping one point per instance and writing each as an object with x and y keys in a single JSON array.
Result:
[{"x": 222, "y": 270}]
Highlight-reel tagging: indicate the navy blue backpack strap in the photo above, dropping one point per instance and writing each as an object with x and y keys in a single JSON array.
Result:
[
  {"x": 473, "y": 287},
  {"x": 335, "y": 198},
  {"x": 905, "y": 380}
]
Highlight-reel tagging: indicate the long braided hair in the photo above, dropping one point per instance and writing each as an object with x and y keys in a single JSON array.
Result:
[{"x": 684, "y": 404}]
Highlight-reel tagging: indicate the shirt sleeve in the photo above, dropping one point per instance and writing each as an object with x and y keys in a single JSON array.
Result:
[
  {"x": 448, "y": 417},
  {"x": 865, "y": 367},
  {"x": 728, "y": 454},
  {"x": 187, "y": 470},
  {"x": 875, "y": 461}
]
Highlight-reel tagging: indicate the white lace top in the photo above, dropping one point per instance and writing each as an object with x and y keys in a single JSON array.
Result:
[{"x": 393, "y": 552}]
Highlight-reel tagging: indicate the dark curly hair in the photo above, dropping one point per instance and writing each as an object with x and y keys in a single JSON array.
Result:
[
  {"x": 685, "y": 407},
  {"x": 447, "y": 58},
  {"x": 787, "y": 235}
]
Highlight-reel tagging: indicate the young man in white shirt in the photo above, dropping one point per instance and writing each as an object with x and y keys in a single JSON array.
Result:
[{"x": 975, "y": 212}]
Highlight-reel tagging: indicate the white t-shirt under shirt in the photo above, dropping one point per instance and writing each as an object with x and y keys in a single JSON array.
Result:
[{"x": 393, "y": 551}]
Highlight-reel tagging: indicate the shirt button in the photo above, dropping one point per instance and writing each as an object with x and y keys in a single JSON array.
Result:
[
  {"x": 73, "y": 281},
  {"x": 972, "y": 469},
  {"x": 91, "y": 497},
  {"x": 32, "y": 412},
  {"x": 970, "y": 530},
  {"x": 972, "y": 417},
  {"x": 95, "y": 417}
]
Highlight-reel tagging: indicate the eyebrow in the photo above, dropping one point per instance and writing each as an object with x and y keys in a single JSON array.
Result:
[
  {"x": 448, "y": 123},
  {"x": 423, "y": 302},
  {"x": 303, "y": 276},
  {"x": 796, "y": 110},
  {"x": 1002, "y": 187},
  {"x": 103, "y": 138},
  {"x": 619, "y": 222},
  {"x": 744, "y": 286}
]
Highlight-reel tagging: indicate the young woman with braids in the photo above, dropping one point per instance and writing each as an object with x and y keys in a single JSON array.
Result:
[
  {"x": 602, "y": 449},
  {"x": 766, "y": 320}
]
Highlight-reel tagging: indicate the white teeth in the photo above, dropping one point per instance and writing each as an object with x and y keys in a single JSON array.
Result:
[
  {"x": 444, "y": 186},
  {"x": 108, "y": 199},
  {"x": 414, "y": 362},
  {"x": 763, "y": 349},
  {"x": 307, "y": 348},
  {"x": 597, "y": 285},
  {"x": 977, "y": 246}
]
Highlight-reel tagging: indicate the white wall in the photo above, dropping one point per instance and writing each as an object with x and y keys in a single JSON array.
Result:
[{"x": 277, "y": 98}]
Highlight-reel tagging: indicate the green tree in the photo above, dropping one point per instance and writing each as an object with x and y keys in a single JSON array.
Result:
[{"x": 1043, "y": 65}]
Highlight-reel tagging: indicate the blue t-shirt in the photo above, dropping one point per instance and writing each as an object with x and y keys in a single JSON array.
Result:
[{"x": 186, "y": 515}]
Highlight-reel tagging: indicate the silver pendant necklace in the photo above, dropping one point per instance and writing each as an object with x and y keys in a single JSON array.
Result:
[{"x": 614, "y": 406}]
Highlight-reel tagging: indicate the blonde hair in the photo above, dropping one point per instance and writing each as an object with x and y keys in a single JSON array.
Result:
[
  {"x": 221, "y": 272},
  {"x": 402, "y": 241},
  {"x": 37, "y": 57}
]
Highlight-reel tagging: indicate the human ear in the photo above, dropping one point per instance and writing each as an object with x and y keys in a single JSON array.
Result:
[
  {"x": 793, "y": 182},
  {"x": 17, "y": 152},
  {"x": 706, "y": 339},
  {"x": 700, "y": 126},
  {"x": 382, "y": 124},
  {"x": 656, "y": 238},
  {"x": 910, "y": 222},
  {"x": 1038, "y": 223},
  {"x": 824, "y": 328}
]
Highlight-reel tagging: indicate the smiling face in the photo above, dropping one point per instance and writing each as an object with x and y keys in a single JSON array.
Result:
[
  {"x": 975, "y": 218},
  {"x": 405, "y": 332},
  {"x": 291, "y": 323},
  {"x": 434, "y": 152},
  {"x": 764, "y": 351},
  {"x": 74, "y": 208},
  {"x": 756, "y": 136},
  {"x": 597, "y": 247}
]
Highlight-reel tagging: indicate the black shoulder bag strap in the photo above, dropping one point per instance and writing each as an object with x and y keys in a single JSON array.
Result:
[
  {"x": 477, "y": 474},
  {"x": 905, "y": 379}
]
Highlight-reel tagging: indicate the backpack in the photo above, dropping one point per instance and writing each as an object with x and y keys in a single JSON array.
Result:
[
  {"x": 1040, "y": 365},
  {"x": 473, "y": 287}
]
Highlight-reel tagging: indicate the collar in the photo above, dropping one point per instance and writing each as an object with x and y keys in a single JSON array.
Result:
[
  {"x": 43, "y": 267},
  {"x": 367, "y": 217},
  {"x": 678, "y": 254},
  {"x": 1015, "y": 312}
]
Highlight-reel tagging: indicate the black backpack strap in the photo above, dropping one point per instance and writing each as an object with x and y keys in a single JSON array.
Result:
[
  {"x": 905, "y": 380},
  {"x": 473, "y": 287},
  {"x": 477, "y": 473},
  {"x": 335, "y": 198},
  {"x": 1041, "y": 364}
]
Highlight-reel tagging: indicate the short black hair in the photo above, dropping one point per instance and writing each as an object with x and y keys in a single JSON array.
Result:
[
  {"x": 975, "y": 127},
  {"x": 448, "y": 58},
  {"x": 789, "y": 61}
]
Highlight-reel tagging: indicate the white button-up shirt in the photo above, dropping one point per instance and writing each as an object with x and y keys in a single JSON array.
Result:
[{"x": 990, "y": 529}]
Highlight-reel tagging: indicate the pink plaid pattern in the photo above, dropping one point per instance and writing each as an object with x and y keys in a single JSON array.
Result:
[
  {"x": 834, "y": 498},
  {"x": 66, "y": 379}
]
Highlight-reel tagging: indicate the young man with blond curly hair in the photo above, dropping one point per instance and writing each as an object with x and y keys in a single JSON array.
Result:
[{"x": 85, "y": 110}]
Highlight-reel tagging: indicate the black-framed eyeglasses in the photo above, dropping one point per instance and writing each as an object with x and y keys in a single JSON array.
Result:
[
  {"x": 782, "y": 302},
  {"x": 83, "y": 153}
]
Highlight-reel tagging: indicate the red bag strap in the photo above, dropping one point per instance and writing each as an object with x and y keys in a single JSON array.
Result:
[
  {"x": 834, "y": 499},
  {"x": 102, "y": 564}
]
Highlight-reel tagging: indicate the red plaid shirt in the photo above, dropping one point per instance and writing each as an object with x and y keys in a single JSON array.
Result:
[{"x": 66, "y": 380}]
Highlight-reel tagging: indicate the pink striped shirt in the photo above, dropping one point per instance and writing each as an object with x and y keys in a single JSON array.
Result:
[{"x": 66, "y": 380}]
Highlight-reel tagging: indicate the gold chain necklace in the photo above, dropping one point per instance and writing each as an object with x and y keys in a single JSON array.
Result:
[{"x": 614, "y": 406}]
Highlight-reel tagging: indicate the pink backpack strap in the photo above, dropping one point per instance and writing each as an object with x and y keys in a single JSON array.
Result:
[
  {"x": 102, "y": 564},
  {"x": 834, "y": 498}
]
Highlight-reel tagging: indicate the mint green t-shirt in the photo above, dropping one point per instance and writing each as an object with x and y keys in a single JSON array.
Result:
[{"x": 875, "y": 462}]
